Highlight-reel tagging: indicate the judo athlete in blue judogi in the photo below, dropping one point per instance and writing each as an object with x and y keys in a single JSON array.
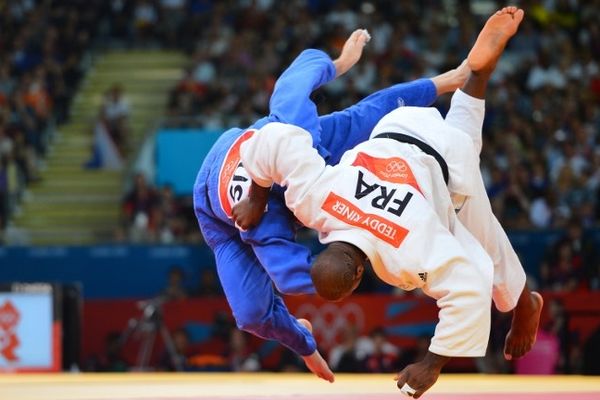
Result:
[{"x": 250, "y": 262}]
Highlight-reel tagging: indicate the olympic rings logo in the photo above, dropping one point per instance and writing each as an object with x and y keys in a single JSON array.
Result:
[
  {"x": 329, "y": 321},
  {"x": 394, "y": 167}
]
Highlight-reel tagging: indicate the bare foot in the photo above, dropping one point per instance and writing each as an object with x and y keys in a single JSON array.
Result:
[
  {"x": 490, "y": 43},
  {"x": 315, "y": 363},
  {"x": 523, "y": 330},
  {"x": 352, "y": 51},
  {"x": 306, "y": 323}
]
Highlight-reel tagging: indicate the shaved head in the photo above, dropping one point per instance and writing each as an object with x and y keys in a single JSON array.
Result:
[{"x": 337, "y": 270}]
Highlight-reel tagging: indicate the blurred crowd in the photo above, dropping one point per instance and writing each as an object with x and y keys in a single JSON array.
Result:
[
  {"x": 156, "y": 215},
  {"x": 43, "y": 52},
  {"x": 541, "y": 159}
]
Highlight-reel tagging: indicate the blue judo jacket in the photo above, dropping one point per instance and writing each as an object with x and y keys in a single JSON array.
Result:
[{"x": 249, "y": 263}]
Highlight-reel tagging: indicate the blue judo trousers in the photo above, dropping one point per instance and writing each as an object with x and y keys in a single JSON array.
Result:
[{"x": 248, "y": 263}]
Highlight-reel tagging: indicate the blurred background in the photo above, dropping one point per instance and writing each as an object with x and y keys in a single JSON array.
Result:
[{"x": 107, "y": 108}]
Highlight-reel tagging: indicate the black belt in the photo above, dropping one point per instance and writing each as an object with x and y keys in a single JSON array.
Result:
[{"x": 425, "y": 148}]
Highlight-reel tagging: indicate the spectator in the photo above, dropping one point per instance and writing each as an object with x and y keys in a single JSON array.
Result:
[
  {"x": 346, "y": 357},
  {"x": 558, "y": 326},
  {"x": 175, "y": 289},
  {"x": 561, "y": 272},
  {"x": 112, "y": 359},
  {"x": 384, "y": 356},
  {"x": 591, "y": 354},
  {"x": 290, "y": 362},
  {"x": 115, "y": 114},
  {"x": 571, "y": 261},
  {"x": 145, "y": 19},
  {"x": 241, "y": 358},
  {"x": 209, "y": 284},
  {"x": 137, "y": 206},
  {"x": 415, "y": 353},
  {"x": 173, "y": 17}
]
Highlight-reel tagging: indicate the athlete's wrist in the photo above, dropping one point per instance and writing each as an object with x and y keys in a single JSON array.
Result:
[
  {"x": 258, "y": 194},
  {"x": 435, "y": 361}
]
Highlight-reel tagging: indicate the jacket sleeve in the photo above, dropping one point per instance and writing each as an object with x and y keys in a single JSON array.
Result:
[
  {"x": 283, "y": 154},
  {"x": 342, "y": 130}
]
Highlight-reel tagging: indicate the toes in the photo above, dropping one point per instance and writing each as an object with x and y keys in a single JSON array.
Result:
[
  {"x": 366, "y": 35},
  {"x": 516, "y": 351},
  {"x": 518, "y": 15},
  {"x": 520, "y": 352}
]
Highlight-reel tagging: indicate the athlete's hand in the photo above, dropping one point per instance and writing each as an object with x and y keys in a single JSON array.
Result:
[
  {"x": 317, "y": 365},
  {"x": 247, "y": 213},
  {"x": 351, "y": 52},
  {"x": 422, "y": 375}
]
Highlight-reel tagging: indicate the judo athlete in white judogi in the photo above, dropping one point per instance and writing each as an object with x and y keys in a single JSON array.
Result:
[{"x": 394, "y": 200}]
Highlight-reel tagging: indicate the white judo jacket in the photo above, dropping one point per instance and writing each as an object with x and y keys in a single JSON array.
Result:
[
  {"x": 390, "y": 200},
  {"x": 458, "y": 139}
]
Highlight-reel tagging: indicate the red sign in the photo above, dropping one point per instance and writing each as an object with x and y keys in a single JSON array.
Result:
[
  {"x": 405, "y": 318},
  {"x": 9, "y": 318}
]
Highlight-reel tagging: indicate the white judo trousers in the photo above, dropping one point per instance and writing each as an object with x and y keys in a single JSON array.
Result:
[
  {"x": 458, "y": 139},
  {"x": 390, "y": 200}
]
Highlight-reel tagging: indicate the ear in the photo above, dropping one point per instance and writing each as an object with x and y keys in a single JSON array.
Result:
[{"x": 360, "y": 269}]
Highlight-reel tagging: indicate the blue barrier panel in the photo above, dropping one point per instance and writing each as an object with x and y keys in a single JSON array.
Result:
[
  {"x": 179, "y": 155},
  {"x": 121, "y": 271},
  {"x": 106, "y": 271}
]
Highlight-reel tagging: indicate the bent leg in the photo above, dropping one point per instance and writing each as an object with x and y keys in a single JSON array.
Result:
[
  {"x": 290, "y": 102},
  {"x": 510, "y": 290},
  {"x": 509, "y": 276},
  {"x": 466, "y": 113}
]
